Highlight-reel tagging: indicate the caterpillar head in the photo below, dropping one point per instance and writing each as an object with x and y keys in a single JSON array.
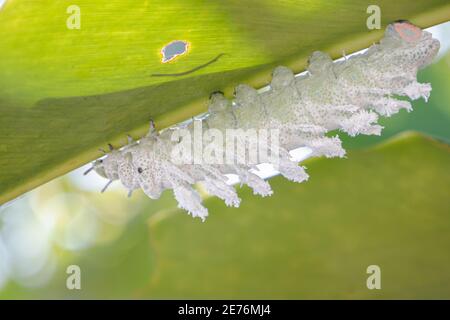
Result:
[
  {"x": 415, "y": 47},
  {"x": 98, "y": 167},
  {"x": 281, "y": 78}
]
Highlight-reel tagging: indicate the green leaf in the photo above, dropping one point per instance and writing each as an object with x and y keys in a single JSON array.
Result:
[{"x": 65, "y": 93}]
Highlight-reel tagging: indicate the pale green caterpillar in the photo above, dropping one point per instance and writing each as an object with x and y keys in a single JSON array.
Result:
[{"x": 346, "y": 95}]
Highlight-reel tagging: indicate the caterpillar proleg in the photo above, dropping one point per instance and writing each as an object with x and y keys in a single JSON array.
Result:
[{"x": 348, "y": 96}]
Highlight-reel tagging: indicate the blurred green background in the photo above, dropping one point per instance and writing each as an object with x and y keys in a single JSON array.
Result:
[{"x": 387, "y": 204}]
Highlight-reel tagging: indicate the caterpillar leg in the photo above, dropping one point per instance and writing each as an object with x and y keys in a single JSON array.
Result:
[
  {"x": 258, "y": 185},
  {"x": 189, "y": 200},
  {"x": 222, "y": 190},
  {"x": 416, "y": 90},
  {"x": 289, "y": 169},
  {"x": 361, "y": 123},
  {"x": 386, "y": 106},
  {"x": 216, "y": 183},
  {"x": 325, "y": 146}
]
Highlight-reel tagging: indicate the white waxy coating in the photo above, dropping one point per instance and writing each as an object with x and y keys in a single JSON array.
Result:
[{"x": 347, "y": 95}]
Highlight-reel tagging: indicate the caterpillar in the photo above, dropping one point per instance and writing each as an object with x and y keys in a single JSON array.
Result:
[{"x": 348, "y": 95}]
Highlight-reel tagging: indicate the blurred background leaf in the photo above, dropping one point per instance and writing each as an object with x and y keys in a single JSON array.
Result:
[
  {"x": 65, "y": 93},
  {"x": 386, "y": 206}
]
